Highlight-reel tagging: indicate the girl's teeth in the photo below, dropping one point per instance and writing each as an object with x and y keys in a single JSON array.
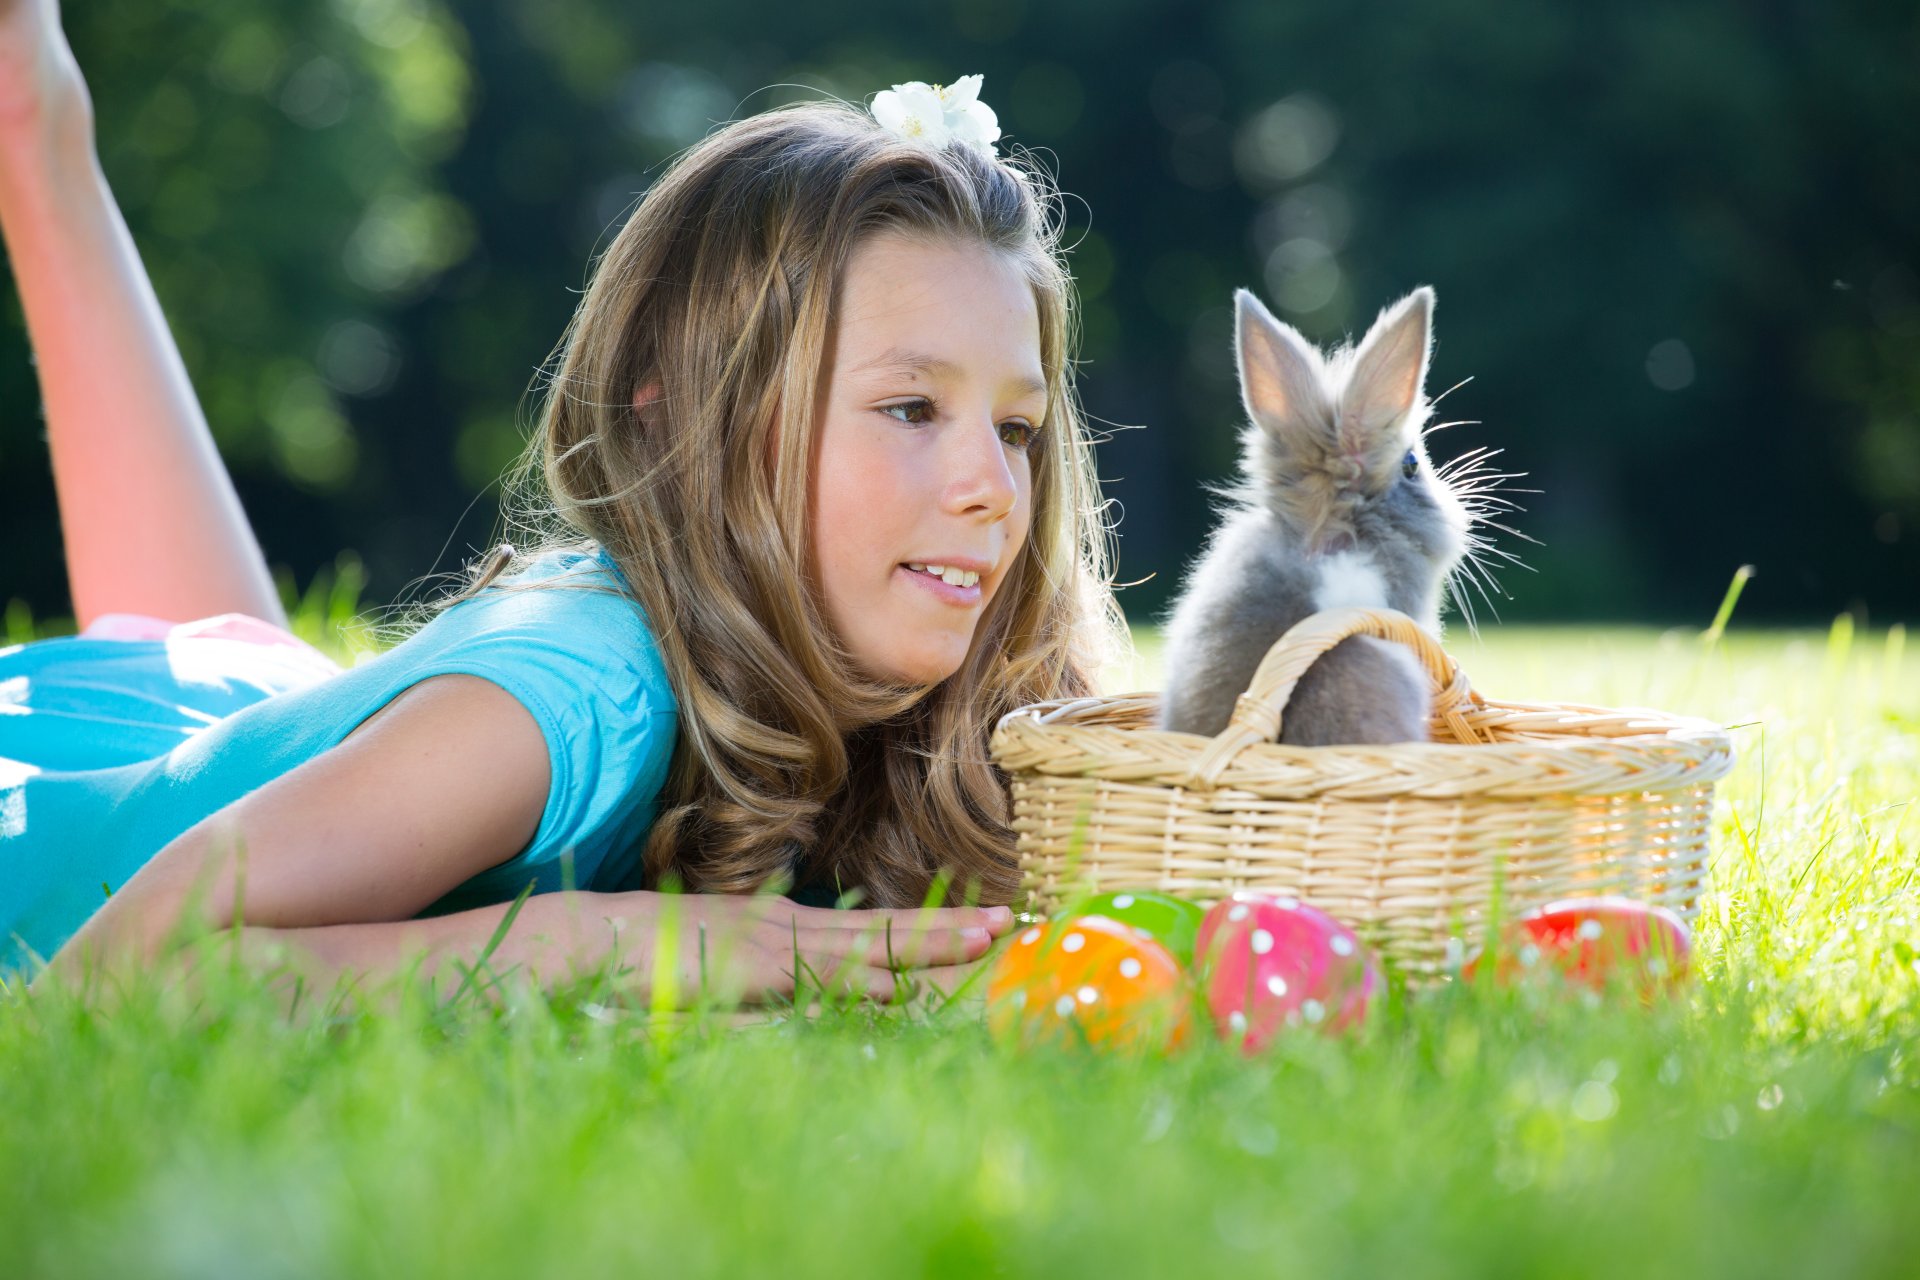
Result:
[{"x": 951, "y": 576}]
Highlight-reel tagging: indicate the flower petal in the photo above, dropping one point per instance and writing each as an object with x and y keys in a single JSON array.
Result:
[
  {"x": 958, "y": 95},
  {"x": 982, "y": 118},
  {"x": 888, "y": 109},
  {"x": 920, "y": 99},
  {"x": 977, "y": 127}
]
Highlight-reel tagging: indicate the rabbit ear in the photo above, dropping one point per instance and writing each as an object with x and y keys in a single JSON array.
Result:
[
  {"x": 1279, "y": 369},
  {"x": 1389, "y": 368}
]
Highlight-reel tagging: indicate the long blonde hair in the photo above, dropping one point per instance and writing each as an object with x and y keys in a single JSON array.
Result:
[{"x": 718, "y": 296}]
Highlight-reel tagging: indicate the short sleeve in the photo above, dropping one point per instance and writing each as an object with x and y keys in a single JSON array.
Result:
[{"x": 586, "y": 668}]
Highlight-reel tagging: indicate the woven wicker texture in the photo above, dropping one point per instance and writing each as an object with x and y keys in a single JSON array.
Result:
[{"x": 1409, "y": 843}]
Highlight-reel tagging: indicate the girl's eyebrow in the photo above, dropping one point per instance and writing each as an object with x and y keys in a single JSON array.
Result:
[{"x": 901, "y": 360}]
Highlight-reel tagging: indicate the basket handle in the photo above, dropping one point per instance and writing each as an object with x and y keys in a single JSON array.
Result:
[{"x": 1256, "y": 714}]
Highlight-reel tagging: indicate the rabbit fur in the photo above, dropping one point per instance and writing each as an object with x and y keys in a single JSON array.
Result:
[{"x": 1338, "y": 505}]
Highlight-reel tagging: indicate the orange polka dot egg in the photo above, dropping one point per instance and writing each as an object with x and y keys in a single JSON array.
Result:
[{"x": 1088, "y": 980}]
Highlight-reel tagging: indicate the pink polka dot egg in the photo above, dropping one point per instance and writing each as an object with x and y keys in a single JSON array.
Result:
[{"x": 1271, "y": 962}]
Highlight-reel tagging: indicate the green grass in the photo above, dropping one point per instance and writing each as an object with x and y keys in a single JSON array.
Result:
[{"x": 1768, "y": 1123}]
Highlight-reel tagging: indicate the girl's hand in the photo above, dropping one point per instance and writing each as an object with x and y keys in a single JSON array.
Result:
[
  {"x": 40, "y": 82},
  {"x": 757, "y": 948}
]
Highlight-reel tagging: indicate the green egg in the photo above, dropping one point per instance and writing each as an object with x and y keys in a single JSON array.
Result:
[{"x": 1172, "y": 922}]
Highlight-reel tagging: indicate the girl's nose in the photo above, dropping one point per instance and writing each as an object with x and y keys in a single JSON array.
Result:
[{"x": 981, "y": 470}]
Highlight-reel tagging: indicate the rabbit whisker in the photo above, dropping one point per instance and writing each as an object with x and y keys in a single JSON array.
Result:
[
  {"x": 1471, "y": 455},
  {"x": 1462, "y": 602},
  {"x": 1486, "y": 473},
  {"x": 1474, "y": 484},
  {"x": 1472, "y": 579},
  {"x": 1495, "y": 524},
  {"x": 1507, "y": 556},
  {"x": 1488, "y": 501},
  {"x": 1487, "y": 576}
]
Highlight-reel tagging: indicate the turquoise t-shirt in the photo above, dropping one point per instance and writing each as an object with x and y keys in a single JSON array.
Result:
[{"x": 110, "y": 748}]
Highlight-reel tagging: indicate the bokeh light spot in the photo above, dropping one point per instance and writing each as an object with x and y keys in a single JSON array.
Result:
[{"x": 1670, "y": 365}]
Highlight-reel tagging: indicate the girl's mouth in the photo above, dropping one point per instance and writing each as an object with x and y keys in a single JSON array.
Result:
[{"x": 963, "y": 594}]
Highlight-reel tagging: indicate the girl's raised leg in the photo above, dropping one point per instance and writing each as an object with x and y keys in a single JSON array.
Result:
[{"x": 151, "y": 519}]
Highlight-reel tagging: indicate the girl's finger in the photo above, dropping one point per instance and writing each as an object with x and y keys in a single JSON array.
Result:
[
  {"x": 939, "y": 947},
  {"x": 875, "y": 947},
  {"x": 995, "y": 920}
]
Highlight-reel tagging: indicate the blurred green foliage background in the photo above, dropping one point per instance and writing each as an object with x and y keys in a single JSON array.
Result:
[{"x": 1674, "y": 246}]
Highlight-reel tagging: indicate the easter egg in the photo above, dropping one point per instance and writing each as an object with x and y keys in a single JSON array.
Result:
[
  {"x": 1172, "y": 922},
  {"x": 1271, "y": 961},
  {"x": 1594, "y": 942},
  {"x": 1087, "y": 979}
]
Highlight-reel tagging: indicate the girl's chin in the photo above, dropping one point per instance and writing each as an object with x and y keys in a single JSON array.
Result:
[{"x": 917, "y": 669}]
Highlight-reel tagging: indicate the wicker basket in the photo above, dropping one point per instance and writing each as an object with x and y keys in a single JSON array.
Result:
[{"x": 1409, "y": 843}]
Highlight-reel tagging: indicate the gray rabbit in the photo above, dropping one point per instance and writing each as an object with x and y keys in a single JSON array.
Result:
[{"x": 1337, "y": 506}]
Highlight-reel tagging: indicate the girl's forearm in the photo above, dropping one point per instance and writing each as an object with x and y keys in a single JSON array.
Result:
[
  {"x": 130, "y": 446},
  {"x": 553, "y": 938}
]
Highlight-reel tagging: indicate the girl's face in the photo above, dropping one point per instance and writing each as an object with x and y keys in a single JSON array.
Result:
[{"x": 933, "y": 397}]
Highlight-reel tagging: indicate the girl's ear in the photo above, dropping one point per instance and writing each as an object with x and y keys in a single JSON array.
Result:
[
  {"x": 644, "y": 398},
  {"x": 1279, "y": 369},
  {"x": 1388, "y": 370}
]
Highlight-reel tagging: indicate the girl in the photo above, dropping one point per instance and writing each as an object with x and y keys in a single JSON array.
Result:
[{"x": 813, "y": 505}]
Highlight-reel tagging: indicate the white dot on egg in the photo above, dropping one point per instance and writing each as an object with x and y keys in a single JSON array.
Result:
[
  {"x": 1019, "y": 999},
  {"x": 1030, "y": 937},
  {"x": 1312, "y": 1010},
  {"x": 1238, "y": 1021},
  {"x": 1277, "y": 985},
  {"x": 1064, "y": 1006},
  {"x": 1089, "y": 994},
  {"x": 1341, "y": 944},
  {"x": 1130, "y": 968},
  {"x": 1073, "y": 942},
  {"x": 1138, "y": 932},
  {"x": 1590, "y": 929},
  {"x": 1237, "y": 912},
  {"x": 1122, "y": 902},
  {"x": 1287, "y": 904},
  {"x": 1262, "y": 942}
]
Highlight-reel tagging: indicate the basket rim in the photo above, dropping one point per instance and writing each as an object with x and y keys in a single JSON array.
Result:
[
  {"x": 1575, "y": 748},
  {"x": 1570, "y": 720},
  {"x": 1489, "y": 748}
]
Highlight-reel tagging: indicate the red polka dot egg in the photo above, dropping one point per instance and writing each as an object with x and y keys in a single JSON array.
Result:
[
  {"x": 1088, "y": 979},
  {"x": 1273, "y": 962},
  {"x": 1592, "y": 943}
]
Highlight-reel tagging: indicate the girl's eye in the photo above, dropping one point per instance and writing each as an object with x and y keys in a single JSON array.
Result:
[
  {"x": 1410, "y": 465},
  {"x": 1016, "y": 434},
  {"x": 916, "y": 411},
  {"x": 1024, "y": 435}
]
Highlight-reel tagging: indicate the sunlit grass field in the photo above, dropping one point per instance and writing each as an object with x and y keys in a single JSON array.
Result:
[{"x": 1767, "y": 1123}]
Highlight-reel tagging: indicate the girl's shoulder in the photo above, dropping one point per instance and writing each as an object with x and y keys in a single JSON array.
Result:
[
  {"x": 569, "y": 610},
  {"x": 566, "y": 637}
]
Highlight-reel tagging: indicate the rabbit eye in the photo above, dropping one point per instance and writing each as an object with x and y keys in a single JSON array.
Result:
[{"x": 1410, "y": 465}]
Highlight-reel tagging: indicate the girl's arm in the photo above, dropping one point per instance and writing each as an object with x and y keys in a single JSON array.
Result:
[
  {"x": 450, "y": 778},
  {"x": 151, "y": 520}
]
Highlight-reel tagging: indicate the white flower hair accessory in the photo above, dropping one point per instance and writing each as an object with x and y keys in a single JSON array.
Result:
[{"x": 939, "y": 114}]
